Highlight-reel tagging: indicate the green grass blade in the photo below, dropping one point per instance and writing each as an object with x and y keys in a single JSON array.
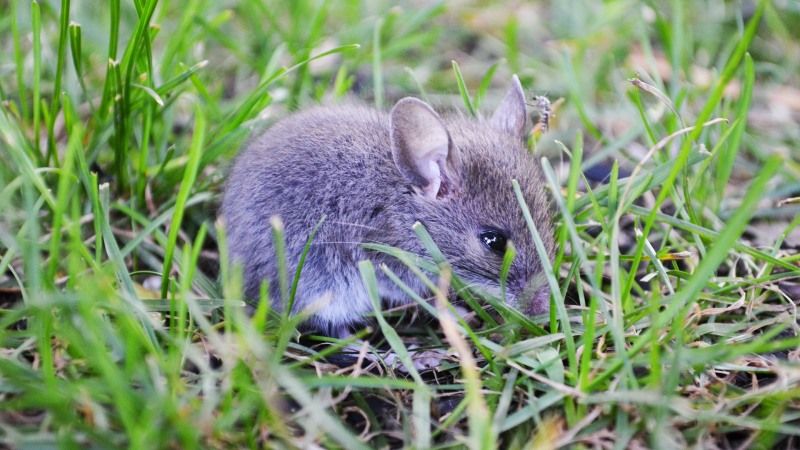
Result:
[
  {"x": 377, "y": 69},
  {"x": 61, "y": 55},
  {"x": 195, "y": 150},
  {"x": 727, "y": 156},
  {"x": 301, "y": 263},
  {"x": 371, "y": 284},
  {"x": 66, "y": 180},
  {"x": 550, "y": 276},
  {"x": 36, "y": 23},
  {"x": 19, "y": 61},
  {"x": 462, "y": 89}
]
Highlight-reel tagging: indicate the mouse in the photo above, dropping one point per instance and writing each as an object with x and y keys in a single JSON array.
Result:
[{"x": 372, "y": 175}]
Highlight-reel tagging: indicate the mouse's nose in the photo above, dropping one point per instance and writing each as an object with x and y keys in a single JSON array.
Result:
[{"x": 537, "y": 301}]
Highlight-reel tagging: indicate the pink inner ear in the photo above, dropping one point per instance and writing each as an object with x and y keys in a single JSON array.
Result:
[
  {"x": 431, "y": 191},
  {"x": 431, "y": 171}
]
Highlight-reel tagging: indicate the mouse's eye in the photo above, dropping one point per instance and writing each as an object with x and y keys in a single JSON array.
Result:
[{"x": 495, "y": 240}]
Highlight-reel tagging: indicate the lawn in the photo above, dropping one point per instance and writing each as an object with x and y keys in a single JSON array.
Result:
[{"x": 672, "y": 158}]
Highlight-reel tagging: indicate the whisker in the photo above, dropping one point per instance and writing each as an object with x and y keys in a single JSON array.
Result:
[
  {"x": 353, "y": 224},
  {"x": 484, "y": 273},
  {"x": 467, "y": 287}
]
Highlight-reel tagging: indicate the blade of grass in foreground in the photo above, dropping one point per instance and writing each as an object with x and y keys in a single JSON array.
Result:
[
  {"x": 36, "y": 23},
  {"x": 550, "y": 275},
  {"x": 377, "y": 69},
  {"x": 613, "y": 320},
  {"x": 715, "y": 256},
  {"x": 484, "y": 85},
  {"x": 65, "y": 186},
  {"x": 183, "y": 195},
  {"x": 727, "y": 155},
  {"x": 422, "y": 394},
  {"x": 19, "y": 59},
  {"x": 301, "y": 263},
  {"x": 128, "y": 293},
  {"x": 16, "y": 144},
  {"x": 61, "y": 55},
  {"x": 462, "y": 89},
  {"x": 371, "y": 284},
  {"x": 481, "y": 427}
]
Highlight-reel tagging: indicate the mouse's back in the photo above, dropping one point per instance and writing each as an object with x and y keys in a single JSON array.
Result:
[{"x": 326, "y": 162}]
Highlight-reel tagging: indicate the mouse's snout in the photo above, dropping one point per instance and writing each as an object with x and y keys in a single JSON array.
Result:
[
  {"x": 535, "y": 297},
  {"x": 530, "y": 296}
]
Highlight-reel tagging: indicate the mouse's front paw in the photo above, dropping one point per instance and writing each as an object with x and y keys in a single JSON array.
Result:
[
  {"x": 422, "y": 359},
  {"x": 428, "y": 359}
]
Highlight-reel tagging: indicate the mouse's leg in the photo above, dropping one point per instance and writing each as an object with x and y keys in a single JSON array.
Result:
[
  {"x": 469, "y": 316},
  {"x": 421, "y": 359},
  {"x": 340, "y": 332}
]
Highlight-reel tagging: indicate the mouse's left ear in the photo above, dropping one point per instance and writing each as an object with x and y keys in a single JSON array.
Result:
[
  {"x": 510, "y": 116},
  {"x": 422, "y": 149}
]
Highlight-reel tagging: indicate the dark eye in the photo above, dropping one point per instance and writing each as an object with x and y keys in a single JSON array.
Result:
[{"x": 494, "y": 240}]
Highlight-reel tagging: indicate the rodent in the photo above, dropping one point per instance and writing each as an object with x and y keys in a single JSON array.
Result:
[{"x": 373, "y": 175}]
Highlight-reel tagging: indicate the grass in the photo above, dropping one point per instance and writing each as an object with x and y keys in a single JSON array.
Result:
[{"x": 675, "y": 281}]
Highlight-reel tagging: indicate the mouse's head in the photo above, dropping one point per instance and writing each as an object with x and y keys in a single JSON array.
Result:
[{"x": 459, "y": 172}]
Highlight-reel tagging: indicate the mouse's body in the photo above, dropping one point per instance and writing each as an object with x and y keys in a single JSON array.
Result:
[{"x": 373, "y": 175}]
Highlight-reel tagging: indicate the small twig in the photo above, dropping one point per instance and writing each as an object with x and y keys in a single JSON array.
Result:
[
  {"x": 563, "y": 388},
  {"x": 569, "y": 436}
]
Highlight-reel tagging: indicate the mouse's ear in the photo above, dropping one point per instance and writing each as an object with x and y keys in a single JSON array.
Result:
[
  {"x": 510, "y": 116},
  {"x": 422, "y": 149}
]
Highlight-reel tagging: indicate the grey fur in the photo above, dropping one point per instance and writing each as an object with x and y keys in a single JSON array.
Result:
[{"x": 341, "y": 162}]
